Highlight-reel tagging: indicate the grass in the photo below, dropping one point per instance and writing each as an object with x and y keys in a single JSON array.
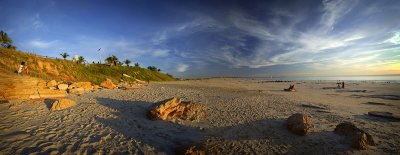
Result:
[{"x": 66, "y": 70}]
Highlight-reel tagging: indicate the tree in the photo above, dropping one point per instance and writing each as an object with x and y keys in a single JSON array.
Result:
[
  {"x": 112, "y": 60},
  {"x": 137, "y": 65},
  {"x": 81, "y": 60},
  {"x": 64, "y": 55},
  {"x": 152, "y": 68},
  {"x": 127, "y": 62},
  {"x": 5, "y": 41}
]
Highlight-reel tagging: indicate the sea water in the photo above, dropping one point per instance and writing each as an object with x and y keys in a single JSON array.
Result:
[{"x": 374, "y": 78}]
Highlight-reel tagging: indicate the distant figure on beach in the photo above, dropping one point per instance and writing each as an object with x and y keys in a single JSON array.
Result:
[
  {"x": 291, "y": 88},
  {"x": 21, "y": 67},
  {"x": 25, "y": 69},
  {"x": 343, "y": 85}
]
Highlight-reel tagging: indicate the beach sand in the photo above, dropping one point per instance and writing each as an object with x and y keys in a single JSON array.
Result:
[{"x": 243, "y": 117}]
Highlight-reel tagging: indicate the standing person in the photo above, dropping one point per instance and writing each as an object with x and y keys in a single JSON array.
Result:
[
  {"x": 21, "y": 67},
  {"x": 343, "y": 85},
  {"x": 26, "y": 69}
]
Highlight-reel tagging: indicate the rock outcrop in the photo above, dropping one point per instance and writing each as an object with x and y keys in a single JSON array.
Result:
[
  {"x": 84, "y": 85},
  {"x": 62, "y": 104},
  {"x": 299, "y": 124},
  {"x": 62, "y": 86},
  {"x": 108, "y": 84},
  {"x": 174, "y": 109},
  {"x": 358, "y": 138},
  {"x": 14, "y": 87},
  {"x": 76, "y": 91},
  {"x": 51, "y": 83}
]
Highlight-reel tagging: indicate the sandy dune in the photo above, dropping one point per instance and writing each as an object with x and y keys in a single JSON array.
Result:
[{"x": 244, "y": 117}]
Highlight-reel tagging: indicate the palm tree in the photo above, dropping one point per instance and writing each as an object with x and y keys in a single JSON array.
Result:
[
  {"x": 64, "y": 55},
  {"x": 81, "y": 60},
  {"x": 5, "y": 41},
  {"x": 137, "y": 65},
  {"x": 127, "y": 62},
  {"x": 113, "y": 60}
]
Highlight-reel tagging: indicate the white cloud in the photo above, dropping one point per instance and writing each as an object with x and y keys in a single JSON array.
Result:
[
  {"x": 395, "y": 39},
  {"x": 42, "y": 44},
  {"x": 160, "y": 52},
  {"x": 37, "y": 22},
  {"x": 182, "y": 68}
]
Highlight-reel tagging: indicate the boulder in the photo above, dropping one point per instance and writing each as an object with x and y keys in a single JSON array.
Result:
[
  {"x": 84, "y": 85},
  {"x": 358, "y": 138},
  {"x": 62, "y": 104},
  {"x": 51, "y": 83},
  {"x": 108, "y": 84},
  {"x": 62, "y": 86},
  {"x": 77, "y": 91},
  {"x": 96, "y": 87},
  {"x": 173, "y": 109},
  {"x": 14, "y": 87},
  {"x": 299, "y": 123}
]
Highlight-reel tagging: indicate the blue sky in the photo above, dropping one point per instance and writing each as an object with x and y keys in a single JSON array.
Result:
[{"x": 216, "y": 38}]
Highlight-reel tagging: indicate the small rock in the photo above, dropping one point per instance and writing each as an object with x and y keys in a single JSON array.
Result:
[
  {"x": 358, "y": 138},
  {"x": 299, "y": 124},
  {"x": 62, "y": 86},
  {"x": 108, "y": 84},
  {"x": 84, "y": 85},
  {"x": 62, "y": 104},
  {"x": 383, "y": 114},
  {"x": 51, "y": 83},
  {"x": 77, "y": 91}
]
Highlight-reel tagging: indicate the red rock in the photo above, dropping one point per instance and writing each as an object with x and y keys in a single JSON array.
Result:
[
  {"x": 299, "y": 124},
  {"x": 62, "y": 104},
  {"x": 108, "y": 84},
  {"x": 174, "y": 108}
]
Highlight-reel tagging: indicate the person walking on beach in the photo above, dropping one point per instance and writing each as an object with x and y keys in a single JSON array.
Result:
[
  {"x": 21, "y": 67},
  {"x": 25, "y": 69}
]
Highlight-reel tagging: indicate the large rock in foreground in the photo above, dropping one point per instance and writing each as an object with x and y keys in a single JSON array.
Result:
[
  {"x": 299, "y": 124},
  {"x": 174, "y": 108},
  {"x": 358, "y": 138},
  {"x": 108, "y": 84},
  {"x": 62, "y": 104}
]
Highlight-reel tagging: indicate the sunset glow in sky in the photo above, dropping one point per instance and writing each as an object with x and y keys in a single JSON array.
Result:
[{"x": 216, "y": 38}]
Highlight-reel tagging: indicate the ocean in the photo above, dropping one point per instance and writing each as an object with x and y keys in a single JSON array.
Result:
[{"x": 374, "y": 78}]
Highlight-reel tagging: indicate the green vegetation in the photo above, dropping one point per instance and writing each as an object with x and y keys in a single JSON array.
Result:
[
  {"x": 5, "y": 41},
  {"x": 64, "y": 55},
  {"x": 69, "y": 71}
]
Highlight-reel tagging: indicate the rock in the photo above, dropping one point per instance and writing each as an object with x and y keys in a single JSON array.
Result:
[
  {"x": 193, "y": 150},
  {"x": 77, "y": 91},
  {"x": 51, "y": 83},
  {"x": 62, "y": 86},
  {"x": 96, "y": 87},
  {"x": 108, "y": 84},
  {"x": 358, "y": 138},
  {"x": 299, "y": 123},
  {"x": 41, "y": 84},
  {"x": 383, "y": 114},
  {"x": 309, "y": 105},
  {"x": 14, "y": 87},
  {"x": 174, "y": 108},
  {"x": 84, "y": 85},
  {"x": 62, "y": 104}
]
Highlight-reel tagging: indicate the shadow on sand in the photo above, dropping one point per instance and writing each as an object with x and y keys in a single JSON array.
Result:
[{"x": 132, "y": 122}]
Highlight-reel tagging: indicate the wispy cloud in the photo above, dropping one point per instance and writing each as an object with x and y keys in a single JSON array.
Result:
[
  {"x": 182, "y": 68},
  {"x": 160, "y": 52},
  {"x": 37, "y": 22},
  {"x": 41, "y": 44}
]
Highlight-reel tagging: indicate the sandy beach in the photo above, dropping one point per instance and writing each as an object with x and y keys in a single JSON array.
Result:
[{"x": 244, "y": 116}]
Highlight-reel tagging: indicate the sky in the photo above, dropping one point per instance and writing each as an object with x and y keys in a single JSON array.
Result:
[{"x": 216, "y": 38}]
